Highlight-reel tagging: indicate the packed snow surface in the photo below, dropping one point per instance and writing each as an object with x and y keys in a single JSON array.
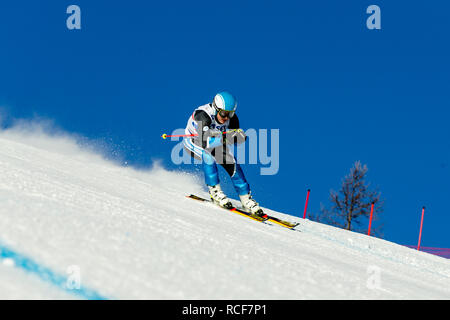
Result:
[{"x": 132, "y": 234}]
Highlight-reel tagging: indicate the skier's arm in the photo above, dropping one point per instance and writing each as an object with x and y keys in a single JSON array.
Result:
[
  {"x": 234, "y": 122},
  {"x": 210, "y": 138},
  {"x": 202, "y": 118}
]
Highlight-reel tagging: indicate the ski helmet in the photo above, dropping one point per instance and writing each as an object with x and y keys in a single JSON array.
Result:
[{"x": 225, "y": 103}]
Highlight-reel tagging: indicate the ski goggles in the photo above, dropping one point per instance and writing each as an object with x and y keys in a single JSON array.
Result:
[{"x": 225, "y": 113}]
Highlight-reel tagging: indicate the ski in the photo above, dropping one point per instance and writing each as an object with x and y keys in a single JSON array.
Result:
[
  {"x": 233, "y": 209},
  {"x": 283, "y": 223}
]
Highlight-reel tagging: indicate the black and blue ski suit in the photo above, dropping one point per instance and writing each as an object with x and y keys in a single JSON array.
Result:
[{"x": 212, "y": 149}]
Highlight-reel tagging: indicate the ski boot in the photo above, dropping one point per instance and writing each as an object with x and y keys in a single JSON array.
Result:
[
  {"x": 251, "y": 206},
  {"x": 219, "y": 198}
]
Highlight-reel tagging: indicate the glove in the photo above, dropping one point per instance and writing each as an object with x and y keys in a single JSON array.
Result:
[
  {"x": 235, "y": 136},
  {"x": 213, "y": 137},
  {"x": 214, "y": 142}
]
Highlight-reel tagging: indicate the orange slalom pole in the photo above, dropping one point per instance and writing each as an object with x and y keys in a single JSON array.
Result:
[
  {"x": 306, "y": 204},
  {"x": 420, "y": 232},
  {"x": 370, "y": 219}
]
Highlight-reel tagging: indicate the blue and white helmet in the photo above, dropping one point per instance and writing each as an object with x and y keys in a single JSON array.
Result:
[{"x": 225, "y": 102}]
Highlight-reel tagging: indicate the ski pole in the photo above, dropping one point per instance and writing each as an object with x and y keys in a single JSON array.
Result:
[{"x": 165, "y": 136}]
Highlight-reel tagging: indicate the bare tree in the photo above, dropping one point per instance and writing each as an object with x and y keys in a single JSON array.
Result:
[{"x": 351, "y": 206}]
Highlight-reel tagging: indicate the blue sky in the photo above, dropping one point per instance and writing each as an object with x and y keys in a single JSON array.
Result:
[{"x": 337, "y": 91}]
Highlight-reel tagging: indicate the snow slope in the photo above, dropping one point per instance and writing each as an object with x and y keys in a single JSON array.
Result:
[{"x": 133, "y": 235}]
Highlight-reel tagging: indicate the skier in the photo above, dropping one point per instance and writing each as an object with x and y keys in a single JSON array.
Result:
[{"x": 215, "y": 126}]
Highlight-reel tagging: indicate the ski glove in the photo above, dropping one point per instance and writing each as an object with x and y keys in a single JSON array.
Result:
[
  {"x": 213, "y": 137},
  {"x": 235, "y": 136},
  {"x": 213, "y": 142}
]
